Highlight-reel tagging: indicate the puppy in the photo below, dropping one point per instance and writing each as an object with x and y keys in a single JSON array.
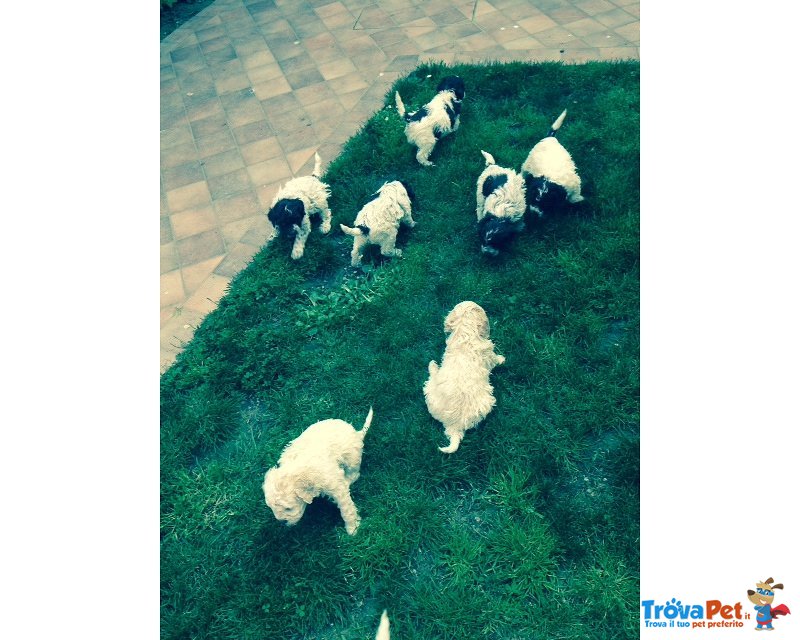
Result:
[
  {"x": 551, "y": 178},
  {"x": 501, "y": 205},
  {"x": 458, "y": 393},
  {"x": 323, "y": 460},
  {"x": 434, "y": 120},
  {"x": 293, "y": 205},
  {"x": 379, "y": 220}
]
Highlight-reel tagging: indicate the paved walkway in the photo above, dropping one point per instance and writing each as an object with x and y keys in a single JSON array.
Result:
[{"x": 250, "y": 89}]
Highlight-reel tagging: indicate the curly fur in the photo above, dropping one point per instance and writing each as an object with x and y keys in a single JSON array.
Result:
[
  {"x": 323, "y": 460},
  {"x": 379, "y": 220},
  {"x": 500, "y": 205},
  {"x": 548, "y": 169},
  {"x": 440, "y": 117},
  {"x": 295, "y": 202},
  {"x": 458, "y": 393}
]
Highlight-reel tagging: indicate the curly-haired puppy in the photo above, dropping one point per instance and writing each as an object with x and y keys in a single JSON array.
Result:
[
  {"x": 293, "y": 205},
  {"x": 458, "y": 392},
  {"x": 435, "y": 120},
  {"x": 379, "y": 220},
  {"x": 323, "y": 460},
  {"x": 501, "y": 205},
  {"x": 551, "y": 178}
]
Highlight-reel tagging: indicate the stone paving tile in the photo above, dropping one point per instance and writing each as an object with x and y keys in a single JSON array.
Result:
[
  {"x": 200, "y": 246},
  {"x": 593, "y": 7},
  {"x": 300, "y": 79},
  {"x": 194, "y": 275},
  {"x": 171, "y": 288},
  {"x": 175, "y": 136},
  {"x": 537, "y": 23},
  {"x": 229, "y": 184},
  {"x": 192, "y": 222},
  {"x": 264, "y": 73},
  {"x": 208, "y": 294},
  {"x": 585, "y": 27},
  {"x": 630, "y": 32},
  {"x": 236, "y": 207},
  {"x": 260, "y": 150},
  {"x": 181, "y": 175},
  {"x": 237, "y": 258},
  {"x": 250, "y": 91},
  {"x": 169, "y": 258},
  {"x": 614, "y": 18},
  {"x": 272, "y": 88},
  {"x": 605, "y": 39},
  {"x": 188, "y": 196},
  {"x": 252, "y": 132},
  {"x": 166, "y": 230},
  {"x": 372, "y": 17},
  {"x": 269, "y": 171},
  {"x": 216, "y": 143},
  {"x": 222, "y": 163}
]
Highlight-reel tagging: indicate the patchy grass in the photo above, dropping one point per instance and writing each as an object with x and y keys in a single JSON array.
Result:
[{"x": 531, "y": 529}]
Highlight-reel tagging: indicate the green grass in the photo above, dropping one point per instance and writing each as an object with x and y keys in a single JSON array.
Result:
[{"x": 531, "y": 529}]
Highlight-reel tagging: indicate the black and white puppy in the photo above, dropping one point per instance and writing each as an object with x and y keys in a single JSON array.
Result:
[
  {"x": 551, "y": 178},
  {"x": 295, "y": 202},
  {"x": 379, "y": 220},
  {"x": 435, "y": 120},
  {"x": 501, "y": 206}
]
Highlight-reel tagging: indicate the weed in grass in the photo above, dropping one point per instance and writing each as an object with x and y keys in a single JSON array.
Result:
[{"x": 531, "y": 529}]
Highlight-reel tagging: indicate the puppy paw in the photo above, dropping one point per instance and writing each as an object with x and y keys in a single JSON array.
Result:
[
  {"x": 352, "y": 527},
  {"x": 325, "y": 228},
  {"x": 296, "y": 255}
]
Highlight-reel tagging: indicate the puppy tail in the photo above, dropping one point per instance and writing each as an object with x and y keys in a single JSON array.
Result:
[
  {"x": 383, "y": 629},
  {"x": 401, "y": 108},
  {"x": 488, "y": 157},
  {"x": 455, "y": 441},
  {"x": 557, "y": 124},
  {"x": 367, "y": 422},
  {"x": 317, "y": 166},
  {"x": 358, "y": 230}
]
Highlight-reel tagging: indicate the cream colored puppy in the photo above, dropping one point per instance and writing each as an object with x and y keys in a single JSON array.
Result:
[
  {"x": 379, "y": 220},
  {"x": 458, "y": 392},
  {"x": 323, "y": 460}
]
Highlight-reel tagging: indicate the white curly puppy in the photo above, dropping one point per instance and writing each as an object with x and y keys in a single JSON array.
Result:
[
  {"x": 431, "y": 122},
  {"x": 296, "y": 202},
  {"x": 379, "y": 220},
  {"x": 551, "y": 178},
  {"x": 501, "y": 205},
  {"x": 458, "y": 392},
  {"x": 323, "y": 460}
]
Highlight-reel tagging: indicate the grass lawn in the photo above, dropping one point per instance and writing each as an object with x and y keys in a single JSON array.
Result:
[{"x": 531, "y": 529}]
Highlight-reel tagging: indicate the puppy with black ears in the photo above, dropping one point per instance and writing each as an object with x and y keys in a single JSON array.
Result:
[
  {"x": 551, "y": 178},
  {"x": 441, "y": 116},
  {"x": 295, "y": 203},
  {"x": 379, "y": 220},
  {"x": 501, "y": 206}
]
